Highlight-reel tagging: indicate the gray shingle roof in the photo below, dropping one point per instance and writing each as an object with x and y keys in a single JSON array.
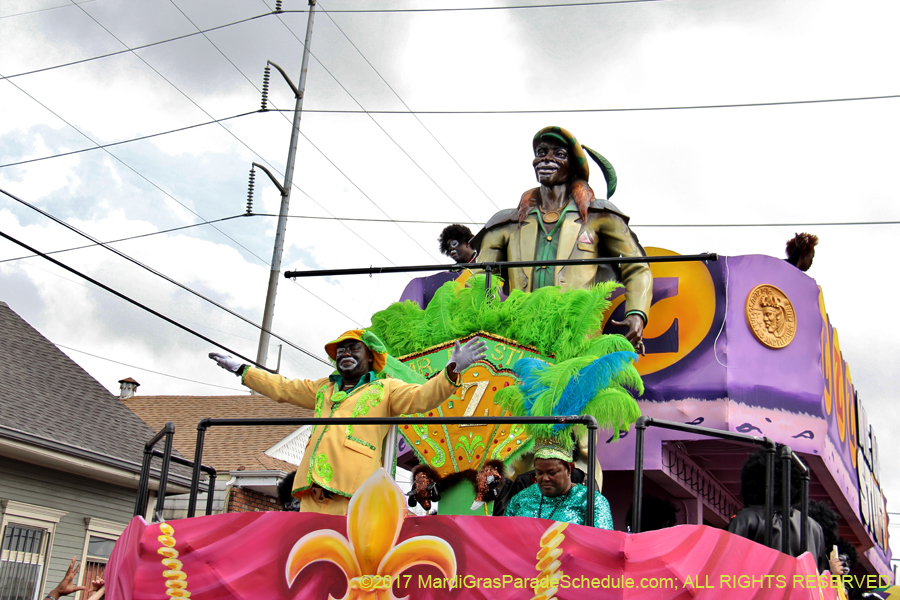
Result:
[{"x": 45, "y": 393}]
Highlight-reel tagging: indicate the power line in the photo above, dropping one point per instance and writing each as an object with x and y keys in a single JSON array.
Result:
[
  {"x": 132, "y": 169},
  {"x": 406, "y": 106},
  {"x": 347, "y": 177},
  {"x": 630, "y": 224},
  {"x": 365, "y": 195},
  {"x": 175, "y": 199},
  {"x": 150, "y": 45},
  {"x": 479, "y": 8},
  {"x": 133, "y": 237},
  {"x": 262, "y": 260},
  {"x": 379, "y": 125},
  {"x": 448, "y": 112},
  {"x": 131, "y": 300},
  {"x": 293, "y": 185},
  {"x": 148, "y": 370},
  {"x": 137, "y": 139},
  {"x": 159, "y": 274},
  {"x": 43, "y": 9},
  {"x": 267, "y": 162},
  {"x": 599, "y": 110}
]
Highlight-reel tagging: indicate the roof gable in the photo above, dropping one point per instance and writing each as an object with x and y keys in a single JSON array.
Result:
[{"x": 45, "y": 393}]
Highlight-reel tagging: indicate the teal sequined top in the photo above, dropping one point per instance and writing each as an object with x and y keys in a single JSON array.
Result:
[{"x": 568, "y": 508}]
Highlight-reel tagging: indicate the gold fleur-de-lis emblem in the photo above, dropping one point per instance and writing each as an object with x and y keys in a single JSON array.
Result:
[{"x": 370, "y": 556}]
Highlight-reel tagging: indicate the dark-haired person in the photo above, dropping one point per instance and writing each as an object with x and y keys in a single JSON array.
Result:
[
  {"x": 801, "y": 250},
  {"x": 563, "y": 218},
  {"x": 750, "y": 521},
  {"x": 454, "y": 242}
]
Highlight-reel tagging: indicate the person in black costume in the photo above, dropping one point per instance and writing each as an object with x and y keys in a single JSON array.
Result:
[{"x": 750, "y": 521}]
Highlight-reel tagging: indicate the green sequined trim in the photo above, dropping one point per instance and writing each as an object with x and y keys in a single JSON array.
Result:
[
  {"x": 359, "y": 441},
  {"x": 368, "y": 399},
  {"x": 320, "y": 400},
  {"x": 312, "y": 465},
  {"x": 322, "y": 468},
  {"x": 324, "y": 487},
  {"x": 469, "y": 445}
]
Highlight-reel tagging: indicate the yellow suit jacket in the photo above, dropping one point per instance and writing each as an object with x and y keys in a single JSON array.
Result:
[
  {"x": 340, "y": 458},
  {"x": 605, "y": 233}
]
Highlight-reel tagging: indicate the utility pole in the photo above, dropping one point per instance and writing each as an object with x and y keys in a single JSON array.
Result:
[{"x": 275, "y": 274}]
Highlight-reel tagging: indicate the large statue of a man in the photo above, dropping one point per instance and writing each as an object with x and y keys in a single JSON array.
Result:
[{"x": 565, "y": 219}]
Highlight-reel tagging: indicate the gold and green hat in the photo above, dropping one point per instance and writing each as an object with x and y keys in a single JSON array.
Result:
[
  {"x": 578, "y": 155},
  {"x": 367, "y": 338},
  {"x": 552, "y": 449}
]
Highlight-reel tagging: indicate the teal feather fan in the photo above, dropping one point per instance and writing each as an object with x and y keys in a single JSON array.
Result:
[{"x": 587, "y": 385}]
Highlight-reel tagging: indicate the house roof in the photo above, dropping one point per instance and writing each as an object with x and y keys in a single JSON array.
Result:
[
  {"x": 45, "y": 395},
  {"x": 224, "y": 448}
]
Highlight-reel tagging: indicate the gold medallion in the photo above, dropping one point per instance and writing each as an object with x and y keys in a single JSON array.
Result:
[
  {"x": 771, "y": 316},
  {"x": 551, "y": 216}
]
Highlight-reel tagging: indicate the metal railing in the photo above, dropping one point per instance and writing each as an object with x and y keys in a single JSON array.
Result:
[
  {"x": 787, "y": 456},
  {"x": 496, "y": 266},
  {"x": 143, "y": 493},
  {"x": 205, "y": 424}
]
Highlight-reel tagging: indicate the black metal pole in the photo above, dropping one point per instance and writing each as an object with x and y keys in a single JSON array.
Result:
[
  {"x": 592, "y": 457},
  {"x": 140, "y": 507},
  {"x": 504, "y": 264},
  {"x": 210, "y": 492},
  {"x": 786, "y": 500},
  {"x": 804, "y": 512},
  {"x": 198, "y": 459},
  {"x": 488, "y": 267},
  {"x": 164, "y": 470},
  {"x": 637, "y": 500},
  {"x": 770, "y": 494}
]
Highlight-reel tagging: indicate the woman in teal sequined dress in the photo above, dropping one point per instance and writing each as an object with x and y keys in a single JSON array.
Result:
[{"x": 554, "y": 496}]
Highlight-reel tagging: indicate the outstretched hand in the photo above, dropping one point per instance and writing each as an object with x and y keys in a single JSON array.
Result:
[
  {"x": 465, "y": 356},
  {"x": 67, "y": 585},
  {"x": 226, "y": 361},
  {"x": 635, "y": 333}
]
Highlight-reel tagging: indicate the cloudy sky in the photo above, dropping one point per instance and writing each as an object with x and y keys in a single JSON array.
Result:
[{"x": 795, "y": 163}]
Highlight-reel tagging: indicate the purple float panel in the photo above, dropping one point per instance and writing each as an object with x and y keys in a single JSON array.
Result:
[{"x": 705, "y": 366}]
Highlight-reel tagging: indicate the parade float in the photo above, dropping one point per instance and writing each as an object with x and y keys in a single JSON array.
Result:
[
  {"x": 741, "y": 344},
  {"x": 736, "y": 350}
]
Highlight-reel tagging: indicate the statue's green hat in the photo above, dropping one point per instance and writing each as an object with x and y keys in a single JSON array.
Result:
[{"x": 578, "y": 155}]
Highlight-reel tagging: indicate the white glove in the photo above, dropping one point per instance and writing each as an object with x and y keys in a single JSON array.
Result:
[
  {"x": 464, "y": 356},
  {"x": 227, "y": 362}
]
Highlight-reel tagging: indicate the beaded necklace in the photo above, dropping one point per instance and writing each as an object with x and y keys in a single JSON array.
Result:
[{"x": 556, "y": 506}]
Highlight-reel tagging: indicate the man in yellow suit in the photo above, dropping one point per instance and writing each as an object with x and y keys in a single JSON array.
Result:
[
  {"x": 339, "y": 458},
  {"x": 564, "y": 219}
]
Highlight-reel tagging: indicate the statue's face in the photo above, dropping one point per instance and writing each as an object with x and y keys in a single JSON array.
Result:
[
  {"x": 551, "y": 163},
  {"x": 772, "y": 318},
  {"x": 553, "y": 476},
  {"x": 353, "y": 359}
]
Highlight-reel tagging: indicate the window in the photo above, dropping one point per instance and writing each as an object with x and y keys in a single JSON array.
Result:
[
  {"x": 27, "y": 536},
  {"x": 99, "y": 542}
]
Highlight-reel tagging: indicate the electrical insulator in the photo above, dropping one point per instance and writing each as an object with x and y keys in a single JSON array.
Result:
[
  {"x": 277, "y": 5},
  {"x": 265, "y": 89},
  {"x": 250, "y": 191}
]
